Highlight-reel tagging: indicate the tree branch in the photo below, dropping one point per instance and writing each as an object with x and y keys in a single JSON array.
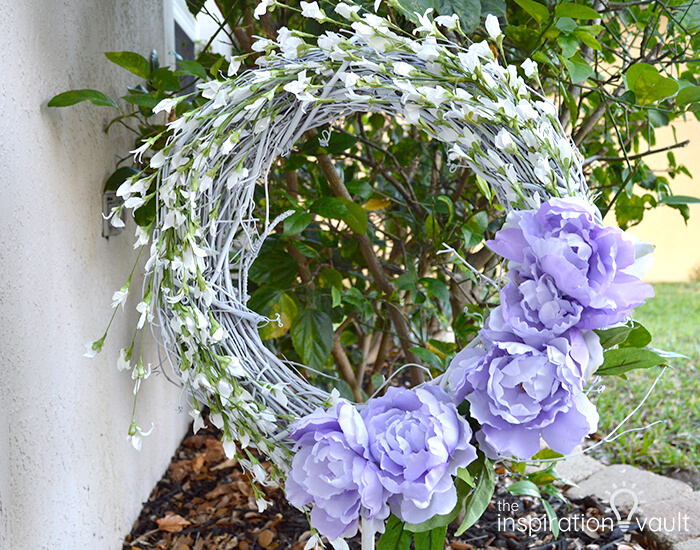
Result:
[
  {"x": 598, "y": 158},
  {"x": 380, "y": 278}
]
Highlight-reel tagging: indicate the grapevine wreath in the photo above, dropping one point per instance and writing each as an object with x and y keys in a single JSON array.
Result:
[{"x": 411, "y": 457}]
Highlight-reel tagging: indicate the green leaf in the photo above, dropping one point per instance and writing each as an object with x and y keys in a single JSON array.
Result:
[
  {"x": 568, "y": 45},
  {"x": 622, "y": 360},
  {"x": 132, "y": 62},
  {"x": 312, "y": 337},
  {"x": 588, "y": 39},
  {"x": 612, "y": 337},
  {"x": 464, "y": 475},
  {"x": 164, "y": 79},
  {"x": 143, "y": 100},
  {"x": 77, "y": 96},
  {"x": 678, "y": 199},
  {"x": 119, "y": 176},
  {"x": 356, "y": 217},
  {"x": 566, "y": 25},
  {"x": 546, "y": 454},
  {"x": 538, "y": 12},
  {"x": 296, "y": 223},
  {"x": 480, "y": 497},
  {"x": 395, "y": 537},
  {"x": 428, "y": 357},
  {"x": 648, "y": 84},
  {"x": 331, "y": 278},
  {"x": 430, "y": 540},
  {"x": 543, "y": 477},
  {"x": 575, "y": 11},
  {"x": 436, "y": 288},
  {"x": 494, "y": 7},
  {"x": 524, "y": 487},
  {"x": 639, "y": 337},
  {"x": 269, "y": 302},
  {"x": 329, "y": 207},
  {"x": 336, "y": 297},
  {"x": 195, "y": 6},
  {"x": 145, "y": 215},
  {"x": 552, "y": 516},
  {"x": 191, "y": 68},
  {"x": 578, "y": 67}
]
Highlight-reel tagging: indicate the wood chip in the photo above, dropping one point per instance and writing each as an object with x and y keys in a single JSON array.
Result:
[
  {"x": 265, "y": 538},
  {"x": 172, "y": 523}
]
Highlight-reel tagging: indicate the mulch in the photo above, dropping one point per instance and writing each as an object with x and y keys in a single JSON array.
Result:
[{"x": 205, "y": 502}]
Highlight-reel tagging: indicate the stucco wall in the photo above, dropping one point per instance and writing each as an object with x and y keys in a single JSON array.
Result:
[
  {"x": 677, "y": 244},
  {"x": 68, "y": 477}
]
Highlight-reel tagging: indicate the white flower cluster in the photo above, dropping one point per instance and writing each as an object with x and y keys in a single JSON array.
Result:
[{"x": 205, "y": 236}]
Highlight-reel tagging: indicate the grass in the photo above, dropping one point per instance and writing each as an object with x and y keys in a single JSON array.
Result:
[{"x": 673, "y": 318}]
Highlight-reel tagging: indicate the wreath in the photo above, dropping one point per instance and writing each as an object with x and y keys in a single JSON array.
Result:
[{"x": 412, "y": 458}]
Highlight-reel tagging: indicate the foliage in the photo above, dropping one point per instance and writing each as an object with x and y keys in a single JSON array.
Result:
[{"x": 359, "y": 283}]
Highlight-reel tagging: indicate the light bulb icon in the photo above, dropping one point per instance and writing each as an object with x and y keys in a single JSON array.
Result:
[{"x": 624, "y": 524}]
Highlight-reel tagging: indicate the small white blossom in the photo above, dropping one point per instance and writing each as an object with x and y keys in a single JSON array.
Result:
[
  {"x": 120, "y": 296},
  {"x": 492, "y": 26},
  {"x": 165, "y": 105},
  {"x": 504, "y": 141},
  {"x": 217, "y": 419},
  {"x": 198, "y": 420},
  {"x": 448, "y": 21},
  {"x": 122, "y": 361},
  {"x": 298, "y": 87},
  {"x": 529, "y": 67},
  {"x": 402, "y": 68},
  {"x": 93, "y": 348},
  {"x": 289, "y": 44},
  {"x": 225, "y": 389},
  {"x": 229, "y": 447},
  {"x": 142, "y": 237},
  {"x": 346, "y": 10},
  {"x": 312, "y": 11},
  {"x": 136, "y": 434},
  {"x": 482, "y": 49},
  {"x": 262, "y": 504},
  {"x": 313, "y": 543},
  {"x": 158, "y": 160},
  {"x": 261, "y": 8},
  {"x": 469, "y": 60},
  {"x": 145, "y": 310},
  {"x": 115, "y": 219},
  {"x": 133, "y": 203},
  {"x": 233, "y": 66},
  {"x": 139, "y": 151}
]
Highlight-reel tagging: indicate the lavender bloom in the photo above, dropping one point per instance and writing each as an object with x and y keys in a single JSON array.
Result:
[
  {"x": 330, "y": 469},
  {"x": 518, "y": 392},
  {"x": 567, "y": 270},
  {"x": 418, "y": 441}
]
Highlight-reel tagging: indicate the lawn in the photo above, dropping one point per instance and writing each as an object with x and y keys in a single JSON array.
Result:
[{"x": 673, "y": 317}]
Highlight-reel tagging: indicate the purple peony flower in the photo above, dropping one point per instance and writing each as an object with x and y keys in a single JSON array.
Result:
[
  {"x": 418, "y": 441},
  {"x": 331, "y": 470},
  {"x": 518, "y": 392},
  {"x": 567, "y": 270}
]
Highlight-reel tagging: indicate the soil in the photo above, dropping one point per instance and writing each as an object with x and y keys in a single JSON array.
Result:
[{"x": 205, "y": 502}]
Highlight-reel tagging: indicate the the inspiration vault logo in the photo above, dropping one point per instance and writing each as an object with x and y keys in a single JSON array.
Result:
[
  {"x": 620, "y": 501},
  {"x": 625, "y": 504}
]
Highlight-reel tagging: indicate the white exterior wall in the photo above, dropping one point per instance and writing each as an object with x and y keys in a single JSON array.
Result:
[{"x": 68, "y": 477}]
